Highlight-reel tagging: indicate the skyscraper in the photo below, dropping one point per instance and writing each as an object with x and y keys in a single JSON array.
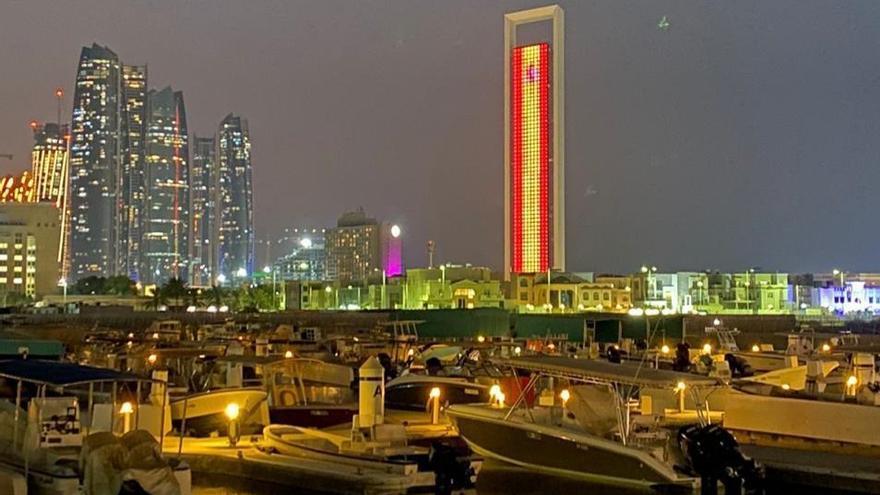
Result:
[
  {"x": 165, "y": 248},
  {"x": 49, "y": 169},
  {"x": 202, "y": 187},
  {"x": 234, "y": 200},
  {"x": 534, "y": 132},
  {"x": 132, "y": 141},
  {"x": 94, "y": 163}
]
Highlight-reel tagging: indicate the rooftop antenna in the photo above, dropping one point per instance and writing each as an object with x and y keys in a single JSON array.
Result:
[{"x": 59, "y": 94}]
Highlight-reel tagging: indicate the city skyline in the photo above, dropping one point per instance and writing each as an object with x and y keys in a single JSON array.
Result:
[{"x": 644, "y": 164}]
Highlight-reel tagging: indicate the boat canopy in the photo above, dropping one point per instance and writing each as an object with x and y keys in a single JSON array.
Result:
[
  {"x": 586, "y": 369},
  {"x": 58, "y": 374},
  {"x": 254, "y": 360}
]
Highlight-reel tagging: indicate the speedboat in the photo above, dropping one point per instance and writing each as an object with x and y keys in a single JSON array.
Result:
[
  {"x": 412, "y": 391},
  {"x": 580, "y": 418},
  {"x": 54, "y": 412}
]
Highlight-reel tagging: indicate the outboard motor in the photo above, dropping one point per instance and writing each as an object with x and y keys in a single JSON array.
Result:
[
  {"x": 714, "y": 455},
  {"x": 682, "y": 360},
  {"x": 453, "y": 466}
]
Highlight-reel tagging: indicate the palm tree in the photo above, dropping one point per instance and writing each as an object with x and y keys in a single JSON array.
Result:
[{"x": 175, "y": 290}]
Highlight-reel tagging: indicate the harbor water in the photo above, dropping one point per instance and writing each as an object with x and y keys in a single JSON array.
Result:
[{"x": 495, "y": 479}]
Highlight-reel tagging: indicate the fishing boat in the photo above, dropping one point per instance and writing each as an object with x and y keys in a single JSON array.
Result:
[
  {"x": 596, "y": 420},
  {"x": 54, "y": 413},
  {"x": 300, "y": 391}
]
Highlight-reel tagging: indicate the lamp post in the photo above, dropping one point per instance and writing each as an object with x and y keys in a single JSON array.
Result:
[
  {"x": 63, "y": 284},
  {"x": 267, "y": 270}
]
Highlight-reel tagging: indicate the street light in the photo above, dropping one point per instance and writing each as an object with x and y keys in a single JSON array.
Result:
[
  {"x": 63, "y": 284},
  {"x": 305, "y": 243}
]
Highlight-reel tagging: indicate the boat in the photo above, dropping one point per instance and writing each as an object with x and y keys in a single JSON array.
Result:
[
  {"x": 53, "y": 412},
  {"x": 580, "y": 418},
  {"x": 412, "y": 391},
  {"x": 441, "y": 466},
  {"x": 301, "y": 391},
  {"x": 203, "y": 413}
]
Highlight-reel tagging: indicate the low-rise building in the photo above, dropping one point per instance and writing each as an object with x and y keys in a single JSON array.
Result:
[{"x": 29, "y": 259}]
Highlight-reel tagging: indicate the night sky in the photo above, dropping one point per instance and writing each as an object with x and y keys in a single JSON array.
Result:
[{"x": 747, "y": 134}]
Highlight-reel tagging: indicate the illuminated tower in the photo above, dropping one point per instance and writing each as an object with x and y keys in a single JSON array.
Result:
[
  {"x": 49, "y": 170},
  {"x": 534, "y": 137},
  {"x": 234, "y": 199},
  {"x": 165, "y": 244},
  {"x": 202, "y": 211},
  {"x": 131, "y": 199},
  {"x": 94, "y": 164}
]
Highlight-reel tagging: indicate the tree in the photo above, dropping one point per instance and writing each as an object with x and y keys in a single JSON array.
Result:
[
  {"x": 91, "y": 285},
  {"x": 174, "y": 291},
  {"x": 120, "y": 285}
]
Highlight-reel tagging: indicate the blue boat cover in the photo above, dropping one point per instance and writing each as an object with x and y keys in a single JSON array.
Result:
[{"x": 60, "y": 374}]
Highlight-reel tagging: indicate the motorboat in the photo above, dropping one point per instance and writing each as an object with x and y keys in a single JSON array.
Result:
[
  {"x": 53, "y": 412},
  {"x": 598, "y": 421},
  {"x": 412, "y": 391},
  {"x": 442, "y": 466},
  {"x": 300, "y": 391},
  {"x": 203, "y": 413}
]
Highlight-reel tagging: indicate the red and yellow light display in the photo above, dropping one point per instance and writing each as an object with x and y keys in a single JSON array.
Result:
[{"x": 530, "y": 158}]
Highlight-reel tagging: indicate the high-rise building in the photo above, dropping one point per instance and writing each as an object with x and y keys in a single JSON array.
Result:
[
  {"x": 49, "y": 169},
  {"x": 359, "y": 246},
  {"x": 235, "y": 218},
  {"x": 534, "y": 146},
  {"x": 131, "y": 197},
  {"x": 49, "y": 161},
  {"x": 165, "y": 248},
  {"x": 94, "y": 164},
  {"x": 202, "y": 211}
]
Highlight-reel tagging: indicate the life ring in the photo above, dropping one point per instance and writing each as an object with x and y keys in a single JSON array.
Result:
[{"x": 287, "y": 397}]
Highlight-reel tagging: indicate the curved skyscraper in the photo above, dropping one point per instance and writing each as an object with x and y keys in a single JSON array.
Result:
[
  {"x": 94, "y": 163},
  {"x": 165, "y": 244},
  {"x": 234, "y": 200}
]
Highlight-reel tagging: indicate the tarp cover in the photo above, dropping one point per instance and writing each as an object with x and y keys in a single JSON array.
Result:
[{"x": 61, "y": 374}]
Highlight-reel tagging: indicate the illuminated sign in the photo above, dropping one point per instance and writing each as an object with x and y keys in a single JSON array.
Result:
[{"x": 530, "y": 158}]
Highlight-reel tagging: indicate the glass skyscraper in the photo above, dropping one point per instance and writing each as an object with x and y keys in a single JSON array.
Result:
[
  {"x": 235, "y": 218},
  {"x": 202, "y": 186},
  {"x": 131, "y": 198},
  {"x": 94, "y": 163},
  {"x": 165, "y": 246}
]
